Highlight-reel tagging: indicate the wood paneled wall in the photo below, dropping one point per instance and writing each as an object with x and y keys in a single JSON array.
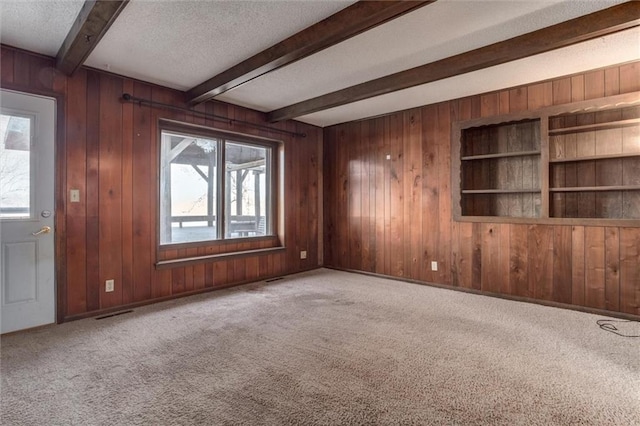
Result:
[
  {"x": 387, "y": 207},
  {"x": 108, "y": 149}
]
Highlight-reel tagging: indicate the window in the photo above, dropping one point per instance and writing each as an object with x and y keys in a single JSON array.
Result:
[
  {"x": 15, "y": 167},
  {"x": 214, "y": 186}
]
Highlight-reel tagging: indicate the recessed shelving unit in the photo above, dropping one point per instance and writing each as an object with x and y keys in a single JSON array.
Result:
[
  {"x": 560, "y": 164},
  {"x": 594, "y": 164},
  {"x": 500, "y": 169}
]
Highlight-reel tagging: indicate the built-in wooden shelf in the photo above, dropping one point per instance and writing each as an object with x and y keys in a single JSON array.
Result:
[
  {"x": 518, "y": 151},
  {"x": 596, "y": 188},
  {"x": 596, "y": 126},
  {"x": 595, "y": 157},
  {"x": 500, "y": 155},
  {"x": 499, "y": 191}
]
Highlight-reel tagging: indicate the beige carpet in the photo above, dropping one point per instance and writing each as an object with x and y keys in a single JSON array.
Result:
[{"x": 325, "y": 347}]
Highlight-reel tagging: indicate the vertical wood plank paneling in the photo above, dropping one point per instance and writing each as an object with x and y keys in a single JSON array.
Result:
[
  {"x": 342, "y": 230},
  {"x": 387, "y": 194},
  {"x": 143, "y": 209},
  {"x": 612, "y": 81},
  {"x": 7, "y": 66},
  {"x": 21, "y": 72},
  {"x": 329, "y": 193},
  {"x": 577, "y": 265},
  {"x": 379, "y": 166},
  {"x": 396, "y": 194},
  {"x": 355, "y": 197},
  {"x": 312, "y": 231},
  {"x": 443, "y": 248},
  {"x": 110, "y": 189},
  {"x": 540, "y": 262},
  {"x": 518, "y": 99},
  {"x": 629, "y": 77},
  {"x": 540, "y": 95},
  {"x": 594, "y": 239},
  {"x": 612, "y": 269},
  {"x": 562, "y": 255},
  {"x": 491, "y": 279},
  {"x": 93, "y": 191},
  {"x": 476, "y": 256},
  {"x": 40, "y": 74},
  {"x": 429, "y": 189},
  {"x": 504, "y": 259},
  {"x": 365, "y": 196},
  {"x": 127, "y": 197},
  {"x": 465, "y": 257},
  {"x": 629, "y": 270},
  {"x": 413, "y": 189},
  {"x": 519, "y": 264},
  {"x": 76, "y": 220}
]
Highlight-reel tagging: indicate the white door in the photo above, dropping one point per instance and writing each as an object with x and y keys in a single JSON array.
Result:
[{"x": 27, "y": 128}]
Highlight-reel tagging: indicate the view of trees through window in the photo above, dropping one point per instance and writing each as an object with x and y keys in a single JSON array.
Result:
[{"x": 199, "y": 201}]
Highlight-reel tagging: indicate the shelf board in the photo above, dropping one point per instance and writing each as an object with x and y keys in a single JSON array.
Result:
[
  {"x": 595, "y": 157},
  {"x": 500, "y": 191},
  {"x": 500, "y": 155},
  {"x": 596, "y": 188},
  {"x": 596, "y": 126}
]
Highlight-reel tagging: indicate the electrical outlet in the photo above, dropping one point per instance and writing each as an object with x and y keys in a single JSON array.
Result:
[
  {"x": 303, "y": 254},
  {"x": 434, "y": 266},
  {"x": 108, "y": 285}
]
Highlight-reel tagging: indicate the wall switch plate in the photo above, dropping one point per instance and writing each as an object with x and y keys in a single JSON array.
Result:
[
  {"x": 74, "y": 196},
  {"x": 434, "y": 266},
  {"x": 303, "y": 254},
  {"x": 109, "y": 285}
]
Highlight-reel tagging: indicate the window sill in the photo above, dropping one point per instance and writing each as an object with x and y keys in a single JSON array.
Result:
[{"x": 186, "y": 261}]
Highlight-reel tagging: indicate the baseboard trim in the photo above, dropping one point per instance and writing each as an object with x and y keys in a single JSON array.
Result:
[
  {"x": 588, "y": 310},
  {"x": 129, "y": 306}
]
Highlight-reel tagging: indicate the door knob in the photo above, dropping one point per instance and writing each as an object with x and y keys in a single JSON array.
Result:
[{"x": 43, "y": 230}]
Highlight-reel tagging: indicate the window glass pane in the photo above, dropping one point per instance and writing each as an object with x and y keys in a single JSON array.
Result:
[
  {"x": 15, "y": 167},
  {"x": 247, "y": 190},
  {"x": 188, "y": 189}
]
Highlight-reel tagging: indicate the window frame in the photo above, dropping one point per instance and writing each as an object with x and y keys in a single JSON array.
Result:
[{"x": 272, "y": 188}]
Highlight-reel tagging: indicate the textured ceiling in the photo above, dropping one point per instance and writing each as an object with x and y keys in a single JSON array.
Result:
[
  {"x": 614, "y": 49},
  {"x": 420, "y": 37},
  {"x": 38, "y": 26},
  {"x": 181, "y": 43}
]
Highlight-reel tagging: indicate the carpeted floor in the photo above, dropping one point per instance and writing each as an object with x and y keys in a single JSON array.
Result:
[{"x": 325, "y": 347}]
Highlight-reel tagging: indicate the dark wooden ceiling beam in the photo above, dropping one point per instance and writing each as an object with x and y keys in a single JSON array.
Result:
[
  {"x": 338, "y": 27},
  {"x": 93, "y": 21},
  {"x": 597, "y": 24}
]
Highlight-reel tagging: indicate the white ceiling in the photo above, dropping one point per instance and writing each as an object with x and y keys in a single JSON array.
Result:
[
  {"x": 38, "y": 26},
  {"x": 181, "y": 43}
]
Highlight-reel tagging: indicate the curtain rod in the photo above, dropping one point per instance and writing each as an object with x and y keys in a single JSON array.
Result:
[{"x": 129, "y": 98}]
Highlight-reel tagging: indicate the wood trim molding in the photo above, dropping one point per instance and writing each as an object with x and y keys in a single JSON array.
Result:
[
  {"x": 92, "y": 23},
  {"x": 340, "y": 26},
  {"x": 585, "y": 309},
  {"x": 187, "y": 261},
  {"x": 597, "y": 24}
]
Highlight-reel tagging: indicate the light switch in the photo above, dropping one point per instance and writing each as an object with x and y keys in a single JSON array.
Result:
[{"x": 75, "y": 196}]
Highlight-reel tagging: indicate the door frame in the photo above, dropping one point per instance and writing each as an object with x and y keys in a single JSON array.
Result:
[{"x": 60, "y": 179}]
